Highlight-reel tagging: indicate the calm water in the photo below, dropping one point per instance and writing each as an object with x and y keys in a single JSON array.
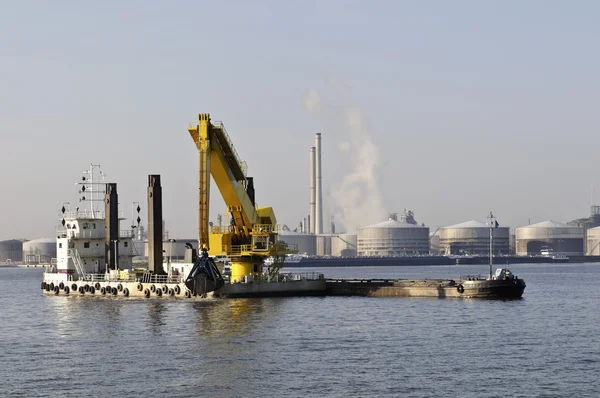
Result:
[{"x": 545, "y": 345}]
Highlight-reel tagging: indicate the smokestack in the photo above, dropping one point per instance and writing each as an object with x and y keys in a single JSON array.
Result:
[
  {"x": 312, "y": 206},
  {"x": 111, "y": 214},
  {"x": 155, "y": 225},
  {"x": 305, "y": 224},
  {"x": 319, "y": 187}
]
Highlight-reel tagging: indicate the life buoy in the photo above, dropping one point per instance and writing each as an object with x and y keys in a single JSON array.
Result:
[
  {"x": 146, "y": 293},
  {"x": 165, "y": 289},
  {"x": 61, "y": 286},
  {"x": 152, "y": 288},
  {"x": 67, "y": 290},
  {"x": 158, "y": 292},
  {"x": 120, "y": 287},
  {"x": 74, "y": 287},
  {"x": 171, "y": 292},
  {"x": 188, "y": 294},
  {"x": 177, "y": 290},
  {"x": 140, "y": 287},
  {"x": 460, "y": 288},
  {"x": 56, "y": 290},
  {"x": 97, "y": 286},
  {"x": 126, "y": 292},
  {"x": 103, "y": 291},
  {"x": 92, "y": 290},
  {"x": 81, "y": 290}
]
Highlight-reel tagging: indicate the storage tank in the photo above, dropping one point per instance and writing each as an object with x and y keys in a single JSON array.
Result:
[
  {"x": 39, "y": 251},
  {"x": 593, "y": 241},
  {"x": 549, "y": 235},
  {"x": 473, "y": 238},
  {"x": 307, "y": 243},
  {"x": 323, "y": 245},
  {"x": 343, "y": 245},
  {"x": 11, "y": 250},
  {"x": 393, "y": 238}
]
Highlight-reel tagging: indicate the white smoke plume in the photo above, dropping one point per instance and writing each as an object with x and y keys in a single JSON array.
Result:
[{"x": 356, "y": 199}]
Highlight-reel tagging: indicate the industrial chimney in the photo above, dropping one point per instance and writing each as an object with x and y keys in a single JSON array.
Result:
[
  {"x": 312, "y": 193},
  {"x": 319, "y": 187}
]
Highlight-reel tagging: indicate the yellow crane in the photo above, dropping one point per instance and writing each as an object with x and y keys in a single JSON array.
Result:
[{"x": 251, "y": 235}]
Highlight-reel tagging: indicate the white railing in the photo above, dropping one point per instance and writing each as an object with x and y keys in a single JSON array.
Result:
[{"x": 87, "y": 214}]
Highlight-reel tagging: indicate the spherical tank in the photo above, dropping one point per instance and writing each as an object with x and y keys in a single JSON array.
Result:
[
  {"x": 551, "y": 235},
  {"x": 393, "y": 238},
  {"x": 473, "y": 237},
  {"x": 11, "y": 250},
  {"x": 39, "y": 251},
  {"x": 343, "y": 245},
  {"x": 306, "y": 243},
  {"x": 593, "y": 242}
]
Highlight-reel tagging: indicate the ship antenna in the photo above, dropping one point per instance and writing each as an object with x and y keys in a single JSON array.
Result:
[{"x": 492, "y": 224}]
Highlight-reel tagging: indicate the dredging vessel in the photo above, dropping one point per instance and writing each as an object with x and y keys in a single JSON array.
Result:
[{"x": 94, "y": 255}]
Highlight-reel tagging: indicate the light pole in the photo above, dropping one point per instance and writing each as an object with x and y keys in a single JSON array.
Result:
[
  {"x": 171, "y": 241},
  {"x": 115, "y": 250}
]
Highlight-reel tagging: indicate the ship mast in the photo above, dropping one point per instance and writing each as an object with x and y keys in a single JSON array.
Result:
[{"x": 492, "y": 224}]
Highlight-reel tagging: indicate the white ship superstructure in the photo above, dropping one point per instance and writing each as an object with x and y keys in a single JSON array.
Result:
[{"x": 81, "y": 244}]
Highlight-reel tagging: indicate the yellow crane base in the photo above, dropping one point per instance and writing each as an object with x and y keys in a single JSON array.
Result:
[{"x": 241, "y": 269}]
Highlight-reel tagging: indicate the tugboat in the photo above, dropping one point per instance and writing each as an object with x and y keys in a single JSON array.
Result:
[{"x": 503, "y": 284}]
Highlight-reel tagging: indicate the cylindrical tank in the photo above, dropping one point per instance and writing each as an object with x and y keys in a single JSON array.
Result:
[
  {"x": 11, "y": 250},
  {"x": 39, "y": 251},
  {"x": 343, "y": 245},
  {"x": 593, "y": 241},
  {"x": 307, "y": 243},
  {"x": 393, "y": 238},
  {"x": 323, "y": 245},
  {"x": 549, "y": 235},
  {"x": 473, "y": 237}
]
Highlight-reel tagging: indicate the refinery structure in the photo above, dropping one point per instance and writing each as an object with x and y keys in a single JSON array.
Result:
[{"x": 398, "y": 236}]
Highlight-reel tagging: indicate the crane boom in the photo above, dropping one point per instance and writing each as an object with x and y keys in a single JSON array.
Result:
[{"x": 252, "y": 233}]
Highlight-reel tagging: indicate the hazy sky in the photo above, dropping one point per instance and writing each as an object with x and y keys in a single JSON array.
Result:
[{"x": 448, "y": 108}]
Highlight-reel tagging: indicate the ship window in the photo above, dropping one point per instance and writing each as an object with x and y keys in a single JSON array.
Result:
[
  {"x": 86, "y": 226},
  {"x": 86, "y": 245},
  {"x": 60, "y": 245},
  {"x": 93, "y": 226},
  {"x": 68, "y": 226},
  {"x": 125, "y": 244}
]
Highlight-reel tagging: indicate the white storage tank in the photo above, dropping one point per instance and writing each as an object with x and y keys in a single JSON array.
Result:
[
  {"x": 39, "y": 251},
  {"x": 307, "y": 243},
  {"x": 393, "y": 238},
  {"x": 324, "y": 245},
  {"x": 473, "y": 237},
  {"x": 593, "y": 241},
  {"x": 344, "y": 245},
  {"x": 11, "y": 250},
  {"x": 549, "y": 235}
]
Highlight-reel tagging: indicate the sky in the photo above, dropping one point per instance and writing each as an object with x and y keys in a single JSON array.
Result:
[{"x": 450, "y": 109}]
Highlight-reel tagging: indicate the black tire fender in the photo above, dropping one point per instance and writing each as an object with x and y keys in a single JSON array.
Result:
[
  {"x": 126, "y": 292},
  {"x": 460, "y": 288}
]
